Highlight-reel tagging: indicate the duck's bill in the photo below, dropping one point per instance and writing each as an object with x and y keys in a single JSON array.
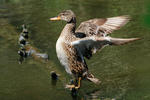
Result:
[{"x": 55, "y": 18}]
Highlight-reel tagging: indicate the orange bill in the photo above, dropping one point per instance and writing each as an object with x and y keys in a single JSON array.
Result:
[{"x": 55, "y": 18}]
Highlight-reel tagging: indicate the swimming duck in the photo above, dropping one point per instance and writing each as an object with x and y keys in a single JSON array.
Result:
[
  {"x": 23, "y": 54},
  {"x": 22, "y": 41},
  {"x": 23, "y": 36},
  {"x": 24, "y": 32},
  {"x": 74, "y": 45}
]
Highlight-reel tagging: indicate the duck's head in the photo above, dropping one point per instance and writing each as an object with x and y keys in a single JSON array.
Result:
[{"x": 66, "y": 15}]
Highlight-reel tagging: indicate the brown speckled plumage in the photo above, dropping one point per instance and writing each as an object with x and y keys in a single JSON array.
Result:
[
  {"x": 73, "y": 45},
  {"x": 76, "y": 64}
]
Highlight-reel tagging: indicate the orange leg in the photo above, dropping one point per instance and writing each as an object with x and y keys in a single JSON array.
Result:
[
  {"x": 79, "y": 83},
  {"x": 73, "y": 86}
]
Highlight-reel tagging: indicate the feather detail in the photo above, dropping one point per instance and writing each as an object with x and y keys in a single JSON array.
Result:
[{"x": 102, "y": 27}]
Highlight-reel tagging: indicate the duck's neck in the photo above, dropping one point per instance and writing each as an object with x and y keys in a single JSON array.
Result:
[
  {"x": 71, "y": 25},
  {"x": 69, "y": 29}
]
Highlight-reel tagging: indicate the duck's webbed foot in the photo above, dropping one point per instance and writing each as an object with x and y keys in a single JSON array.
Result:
[
  {"x": 70, "y": 86},
  {"x": 73, "y": 86}
]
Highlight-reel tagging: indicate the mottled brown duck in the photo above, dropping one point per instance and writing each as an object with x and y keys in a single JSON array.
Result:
[{"x": 74, "y": 45}]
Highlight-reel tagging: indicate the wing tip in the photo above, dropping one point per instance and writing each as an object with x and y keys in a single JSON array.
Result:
[
  {"x": 119, "y": 41},
  {"x": 122, "y": 17}
]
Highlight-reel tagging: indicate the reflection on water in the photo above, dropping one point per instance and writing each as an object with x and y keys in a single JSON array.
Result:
[{"x": 124, "y": 70}]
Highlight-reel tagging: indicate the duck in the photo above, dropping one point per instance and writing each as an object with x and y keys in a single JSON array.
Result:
[
  {"x": 23, "y": 36},
  {"x": 24, "y": 32},
  {"x": 76, "y": 44},
  {"x": 23, "y": 54}
]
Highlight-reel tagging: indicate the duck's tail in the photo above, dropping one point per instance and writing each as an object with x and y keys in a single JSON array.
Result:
[
  {"x": 120, "y": 41},
  {"x": 91, "y": 78}
]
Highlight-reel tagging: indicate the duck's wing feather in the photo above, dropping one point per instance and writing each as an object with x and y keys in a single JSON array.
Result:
[
  {"x": 89, "y": 45},
  {"x": 101, "y": 27}
]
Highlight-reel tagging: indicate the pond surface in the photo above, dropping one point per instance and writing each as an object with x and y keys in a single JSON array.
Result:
[{"x": 123, "y": 70}]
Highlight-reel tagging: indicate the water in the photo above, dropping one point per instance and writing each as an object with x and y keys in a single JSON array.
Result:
[{"x": 123, "y": 70}]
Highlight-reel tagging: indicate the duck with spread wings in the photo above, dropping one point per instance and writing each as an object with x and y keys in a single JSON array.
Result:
[{"x": 74, "y": 45}]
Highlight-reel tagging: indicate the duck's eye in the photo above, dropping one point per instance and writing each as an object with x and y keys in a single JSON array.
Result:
[{"x": 64, "y": 14}]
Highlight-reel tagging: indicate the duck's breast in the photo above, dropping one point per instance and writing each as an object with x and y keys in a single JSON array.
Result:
[{"x": 62, "y": 55}]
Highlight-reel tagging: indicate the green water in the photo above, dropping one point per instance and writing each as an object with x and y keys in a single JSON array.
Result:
[{"x": 123, "y": 70}]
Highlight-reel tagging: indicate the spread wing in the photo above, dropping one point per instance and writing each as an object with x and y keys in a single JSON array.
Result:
[
  {"x": 101, "y": 27},
  {"x": 89, "y": 45}
]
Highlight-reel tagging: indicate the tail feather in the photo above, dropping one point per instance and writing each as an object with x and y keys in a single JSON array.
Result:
[
  {"x": 91, "y": 78},
  {"x": 94, "y": 80},
  {"x": 120, "y": 41}
]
